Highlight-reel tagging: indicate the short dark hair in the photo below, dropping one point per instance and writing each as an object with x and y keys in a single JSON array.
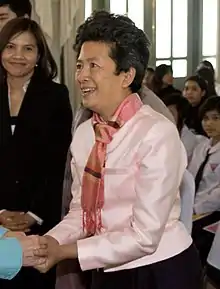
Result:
[
  {"x": 19, "y": 7},
  {"x": 129, "y": 45},
  {"x": 182, "y": 105},
  {"x": 211, "y": 103},
  {"x": 207, "y": 64},
  {"x": 150, "y": 69},
  {"x": 162, "y": 70},
  {"x": 208, "y": 75},
  {"x": 157, "y": 81},
  {"x": 201, "y": 83},
  {"x": 46, "y": 65}
]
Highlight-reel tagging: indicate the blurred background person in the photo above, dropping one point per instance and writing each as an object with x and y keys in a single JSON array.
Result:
[
  {"x": 10, "y": 9},
  {"x": 205, "y": 167},
  {"x": 162, "y": 81},
  {"x": 205, "y": 64},
  {"x": 196, "y": 92},
  {"x": 148, "y": 77},
  {"x": 179, "y": 107},
  {"x": 208, "y": 76}
]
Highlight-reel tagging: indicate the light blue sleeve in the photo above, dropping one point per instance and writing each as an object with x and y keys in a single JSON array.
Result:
[
  {"x": 2, "y": 231},
  {"x": 10, "y": 258}
]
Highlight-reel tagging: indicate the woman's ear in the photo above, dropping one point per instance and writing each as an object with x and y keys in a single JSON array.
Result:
[
  {"x": 38, "y": 58},
  {"x": 129, "y": 77}
]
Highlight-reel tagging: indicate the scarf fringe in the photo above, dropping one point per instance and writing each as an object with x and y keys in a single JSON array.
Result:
[
  {"x": 92, "y": 222},
  {"x": 92, "y": 198}
]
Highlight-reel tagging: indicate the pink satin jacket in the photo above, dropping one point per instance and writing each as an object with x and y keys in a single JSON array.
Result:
[{"x": 145, "y": 163}]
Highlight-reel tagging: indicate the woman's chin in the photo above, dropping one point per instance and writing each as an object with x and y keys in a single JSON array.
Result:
[{"x": 89, "y": 103}]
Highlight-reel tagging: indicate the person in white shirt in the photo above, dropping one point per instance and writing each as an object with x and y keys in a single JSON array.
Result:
[
  {"x": 123, "y": 221},
  {"x": 179, "y": 107},
  {"x": 148, "y": 97},
  {"x": 205, "y": 167},
  {"x": 196, "y": 92},
  {"x": 208, "y": 184}
]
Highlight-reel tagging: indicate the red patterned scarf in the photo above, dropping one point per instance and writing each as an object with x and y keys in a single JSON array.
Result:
[{"x": 92, "y": 200}]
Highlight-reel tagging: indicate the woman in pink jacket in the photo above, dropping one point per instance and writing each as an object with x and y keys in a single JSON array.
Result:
[{"x": 127, "y": 166}]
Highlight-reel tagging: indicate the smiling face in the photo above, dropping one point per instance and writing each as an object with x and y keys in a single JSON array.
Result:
[
  {"x": 20, "y": 55},
  {"x": 102, "y": 89}
]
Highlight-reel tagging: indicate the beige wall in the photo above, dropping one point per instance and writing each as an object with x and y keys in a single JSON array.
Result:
[{"x": 66, "y": 17}]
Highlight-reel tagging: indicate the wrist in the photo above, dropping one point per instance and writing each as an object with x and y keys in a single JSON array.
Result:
[
  {"x": 68, "y": 252},
  {"x": 58, "y": 253},
  {"x": 62, "y": 254}
]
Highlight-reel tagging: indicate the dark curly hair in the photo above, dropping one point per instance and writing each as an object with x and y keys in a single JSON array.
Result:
[{"x": 129, "y": 45}]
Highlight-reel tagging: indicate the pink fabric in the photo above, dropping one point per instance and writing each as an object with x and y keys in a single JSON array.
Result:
[
  {"x": 92, "y": 200},
  {"x": 141, "y": 212}
]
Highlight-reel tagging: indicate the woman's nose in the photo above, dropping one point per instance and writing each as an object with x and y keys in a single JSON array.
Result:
[
  {"x": 83, "y": 74},
  {"x": 18, "y": 53}
]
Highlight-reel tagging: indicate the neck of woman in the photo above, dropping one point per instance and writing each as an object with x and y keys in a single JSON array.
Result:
[{"x": 18, "y": 82}]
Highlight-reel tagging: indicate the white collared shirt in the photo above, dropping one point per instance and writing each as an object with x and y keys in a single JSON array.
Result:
[
  {"x": 207, "y": 198},
  {"x": 25, "y": 87},
  {"x": 189, "y": 140}
]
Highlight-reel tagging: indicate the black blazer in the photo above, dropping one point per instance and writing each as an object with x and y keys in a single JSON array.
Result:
[{"x": 32, "y": 160}]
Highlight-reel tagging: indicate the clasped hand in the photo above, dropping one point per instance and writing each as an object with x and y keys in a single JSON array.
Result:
[
  {"x": 28, "y": 245},
  {"x": 51, "y": 255},
  {"x": 54, "y": 253},
  {"x": 43, "y": 253}
]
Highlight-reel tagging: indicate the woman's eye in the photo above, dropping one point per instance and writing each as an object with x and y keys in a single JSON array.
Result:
[
  {"x": 9, "y": 46},
  {"x": 94, "y": 65},
  {"x": 78, "y": 66},
  {"x": 29, "y": 48}
]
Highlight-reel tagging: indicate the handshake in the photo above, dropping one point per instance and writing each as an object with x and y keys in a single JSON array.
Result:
[{"x": 41, "y": 253}]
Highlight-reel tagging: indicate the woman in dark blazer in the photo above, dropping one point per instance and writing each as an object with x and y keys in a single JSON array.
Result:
[{"x": 35, "y": 133}]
